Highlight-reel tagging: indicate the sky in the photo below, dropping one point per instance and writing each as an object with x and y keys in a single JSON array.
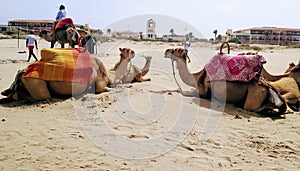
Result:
[{"x": 202, "y": 16}]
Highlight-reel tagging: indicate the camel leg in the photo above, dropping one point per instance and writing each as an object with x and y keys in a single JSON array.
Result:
[
  {"x": 101, "y": 86},
  {"x": 139, "y": 74},
  {"x": 52, "y": 44},
  {"x": 101, "y": 76},
  {"x": 37, "y": 88},
  {"x": 291, "y": 99},
  {"x": 255, "y": 97}
]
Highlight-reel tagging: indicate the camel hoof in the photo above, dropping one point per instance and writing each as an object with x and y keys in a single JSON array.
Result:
[
  {"x": 271, "y": 112},
  {"x": 289, "y": 111},
  {"x": 147, "y": 79}
]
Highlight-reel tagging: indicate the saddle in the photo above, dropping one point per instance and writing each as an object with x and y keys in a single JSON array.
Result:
[
  {"x": 234, "y": 68},
  {"x": 66, "y": 22},
  {"x": 67, "y": 64}
]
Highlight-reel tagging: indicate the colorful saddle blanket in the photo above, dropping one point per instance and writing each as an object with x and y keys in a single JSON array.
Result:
[
  {"x": 234, "y": 68},
  {"x": 62, "y": 23},
  {"x": 68, "y": 64}
]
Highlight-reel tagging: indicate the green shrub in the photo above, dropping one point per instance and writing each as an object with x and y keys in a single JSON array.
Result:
[
  {"x": 256, "y": 48},
  {"x": 234, "y": 40}
]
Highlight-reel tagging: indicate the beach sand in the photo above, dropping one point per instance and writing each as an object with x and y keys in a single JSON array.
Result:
[{"x": 144, "y": 126}]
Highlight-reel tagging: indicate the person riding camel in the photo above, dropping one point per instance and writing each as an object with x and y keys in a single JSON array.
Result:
[{"x": 61, "y": 14}]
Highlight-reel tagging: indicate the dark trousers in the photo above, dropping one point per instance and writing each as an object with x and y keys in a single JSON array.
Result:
[{"x": 31, "y": 53}]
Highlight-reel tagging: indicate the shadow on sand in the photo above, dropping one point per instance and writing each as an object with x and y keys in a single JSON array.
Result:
[{"x": 236, "y": 112}]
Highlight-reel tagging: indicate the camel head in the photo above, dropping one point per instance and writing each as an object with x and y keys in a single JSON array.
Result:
[
  {"x": 17, "y": 91},
  {"x": 176, "y": 54},
  {"x": 46, "y": 35},
  {"x": 43, "y": 33},
  {"x": 126, "y": 53},
  {"x": 291, "y": 66}
]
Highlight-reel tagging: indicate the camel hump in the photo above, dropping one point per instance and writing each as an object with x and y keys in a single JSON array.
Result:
[{"x": 66, "y": 22}]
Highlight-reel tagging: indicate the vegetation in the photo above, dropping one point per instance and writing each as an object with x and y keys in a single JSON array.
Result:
[
  {"x": 215, "y": 32},
  {"x": 172, "y": 32},
  {"x": 266, "y": 33},
  {"x": 13, "y": 33},
  {"x": 219, "y": 38},
  {"x": 108, "y": 31},
  {"x": 234, "y": 40}
]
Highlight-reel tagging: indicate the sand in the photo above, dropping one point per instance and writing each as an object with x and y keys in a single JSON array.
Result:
[{"x": 144, "y": 126}]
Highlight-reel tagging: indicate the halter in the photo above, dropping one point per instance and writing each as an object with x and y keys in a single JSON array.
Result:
[{"x": 172, "y": 63}]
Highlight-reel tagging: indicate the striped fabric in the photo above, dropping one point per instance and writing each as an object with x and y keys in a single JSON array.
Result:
[{"x": 68, "y": 64}]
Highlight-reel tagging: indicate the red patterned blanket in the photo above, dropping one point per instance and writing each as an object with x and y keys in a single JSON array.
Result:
[
  {"x": 234, "y": 68},
  {"x": 62, "y": 23}
]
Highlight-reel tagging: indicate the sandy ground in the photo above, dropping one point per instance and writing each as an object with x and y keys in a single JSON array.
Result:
[{"x": 140, "y": 126}]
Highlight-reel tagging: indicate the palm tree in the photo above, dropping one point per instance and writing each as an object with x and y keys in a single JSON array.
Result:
[
  {"x": 191, "y": 35},
  {"x": 266, "y": 33},
  {"x": 141, "y": 35},
  {"x": 219, "y": 38},
  {"x": 172, "y": 32},
  {"x": 108, "y": 31},
  {"x": 215, "y": 32}
]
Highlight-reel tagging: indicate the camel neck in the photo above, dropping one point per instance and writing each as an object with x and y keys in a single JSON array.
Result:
[{"x": 185, "y": 75}]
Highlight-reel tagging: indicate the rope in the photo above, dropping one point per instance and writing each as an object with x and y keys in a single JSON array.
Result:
[{"x": 172, "y": 63}]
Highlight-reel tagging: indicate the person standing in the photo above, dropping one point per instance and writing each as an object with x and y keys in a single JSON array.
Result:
[
  {"x": 186, "y": 45},
  {"x": 30, "y": 42},
  {"x": 87, "y": 41}
]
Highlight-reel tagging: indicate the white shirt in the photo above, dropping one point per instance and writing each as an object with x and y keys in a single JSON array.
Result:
[
  {"x": 187, "y": 45},
  {"x": 31, "y": 39}
]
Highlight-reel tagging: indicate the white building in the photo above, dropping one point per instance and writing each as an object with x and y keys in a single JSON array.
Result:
[{"x": 150, "y": 29}]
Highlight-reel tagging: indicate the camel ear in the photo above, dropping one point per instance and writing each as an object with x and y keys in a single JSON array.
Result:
[{"x": 120, "y": 49}]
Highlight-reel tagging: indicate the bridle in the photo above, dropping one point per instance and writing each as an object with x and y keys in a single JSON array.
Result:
[{"x": 173, "y": 71}]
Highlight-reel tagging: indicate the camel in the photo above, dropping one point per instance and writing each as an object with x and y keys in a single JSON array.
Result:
[
  {"x": 132, "y": 74},
  {"x": 33, "y": 89},
  {"x": 291, "y": 71},
  {"x": 63, "y": 35},
  {"x": 251, "y": 96}
]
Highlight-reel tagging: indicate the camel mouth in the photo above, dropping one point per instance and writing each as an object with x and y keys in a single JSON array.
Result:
[{"x": 167, "y": 55}]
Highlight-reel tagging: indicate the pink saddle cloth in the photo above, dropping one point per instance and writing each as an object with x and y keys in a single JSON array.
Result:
[{"x": 234, "y": 68}]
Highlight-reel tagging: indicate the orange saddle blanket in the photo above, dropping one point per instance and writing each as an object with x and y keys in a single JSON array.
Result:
[{"x": 57, "y": 64}]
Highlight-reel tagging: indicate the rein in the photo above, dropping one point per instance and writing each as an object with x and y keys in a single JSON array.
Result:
[
  {"x": 172, "y": 63},
  {"x": 130, "y": 62},
  {"x": 130, "y": 66}
]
